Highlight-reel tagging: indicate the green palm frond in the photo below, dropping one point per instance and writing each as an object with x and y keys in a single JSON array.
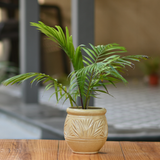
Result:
[
  {"x": 101, "y": 66},
  {"x": 64, "y": 41},
  {"x": 40, "y": 77}
]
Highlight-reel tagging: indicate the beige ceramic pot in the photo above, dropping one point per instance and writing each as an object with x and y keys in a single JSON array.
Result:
[{"x": 86, "y": 131}]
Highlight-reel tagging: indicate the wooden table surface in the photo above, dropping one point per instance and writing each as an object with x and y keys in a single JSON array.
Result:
[{"x": 58, "y": 150}]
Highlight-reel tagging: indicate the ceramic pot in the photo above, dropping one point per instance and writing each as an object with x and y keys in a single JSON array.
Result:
[{"x": 86, "y": 131}]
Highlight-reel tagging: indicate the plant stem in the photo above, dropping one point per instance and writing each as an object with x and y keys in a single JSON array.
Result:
[
  {"x": 80, "y": 96},
  {"x": 88, "y": 91},
  {"x": 81, "y": 101}
]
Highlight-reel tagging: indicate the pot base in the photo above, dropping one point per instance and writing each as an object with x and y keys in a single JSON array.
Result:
[
  {"x": 85, "y": 146},
  {"x": 85, "y": 152}
]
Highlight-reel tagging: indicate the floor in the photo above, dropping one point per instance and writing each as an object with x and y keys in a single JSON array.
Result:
[{"x": 13, "y": 129}]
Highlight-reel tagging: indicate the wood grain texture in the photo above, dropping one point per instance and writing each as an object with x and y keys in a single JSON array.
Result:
[
  {"x": 59, "y": 150},
  {"x": 141, "y": 150},
  {"x": 28, "y": 149},
  {"x": 110, "y": 151}
]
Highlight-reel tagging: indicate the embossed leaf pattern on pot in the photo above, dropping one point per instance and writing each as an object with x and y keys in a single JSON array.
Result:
[{"x": 86, "y": 128}]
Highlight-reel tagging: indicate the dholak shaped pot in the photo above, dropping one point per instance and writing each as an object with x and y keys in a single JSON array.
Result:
[{"x": 86, "y": 130}]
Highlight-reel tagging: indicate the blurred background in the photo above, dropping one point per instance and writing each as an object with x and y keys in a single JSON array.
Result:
[{"x": 134, "y": 112}]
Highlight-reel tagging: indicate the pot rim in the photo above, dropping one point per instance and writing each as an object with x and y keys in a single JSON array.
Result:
[{"x": 90, "y": 111}]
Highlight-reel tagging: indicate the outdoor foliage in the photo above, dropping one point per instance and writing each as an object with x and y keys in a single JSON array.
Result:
[
  {"x": 100, "y": 67},
  {"x": 151, "y": 67}
]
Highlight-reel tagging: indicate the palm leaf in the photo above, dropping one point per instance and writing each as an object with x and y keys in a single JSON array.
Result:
[
  {"x": 101, "y": 59},
  {"x": 100, "y": 67},
  {"x": 40, "y": 77}
]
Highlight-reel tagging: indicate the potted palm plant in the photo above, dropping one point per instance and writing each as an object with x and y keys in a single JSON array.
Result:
[{"x": 85, "y": 128}]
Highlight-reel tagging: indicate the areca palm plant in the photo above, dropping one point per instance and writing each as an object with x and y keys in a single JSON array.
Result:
[{"x": 101, "y": 66}]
